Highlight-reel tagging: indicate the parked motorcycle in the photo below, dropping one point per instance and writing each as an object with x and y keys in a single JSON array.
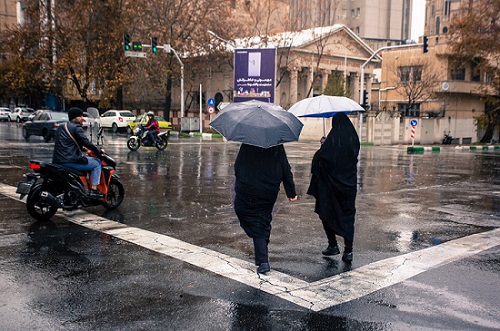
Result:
[
  {"x": 140, "y": 137},
  {"x": 447, "y": 139},
  {"x": 67, "y": 188}
]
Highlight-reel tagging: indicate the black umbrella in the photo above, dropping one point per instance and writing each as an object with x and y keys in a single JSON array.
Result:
[{"x": 257, "y": 123}]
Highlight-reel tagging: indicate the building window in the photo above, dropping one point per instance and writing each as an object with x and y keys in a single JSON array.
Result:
[
  {"x": 475, "y": 71},
  {"x": 457, "y": 74},
  {"x": 447, "y": 7},
  {"x": 357, "y": 30},
  {"x": 358, "y": 12},
  {"x": 352, "y": 13},
  {"x": 405, "y": 110},
  {"x": 410, "y": 74}
]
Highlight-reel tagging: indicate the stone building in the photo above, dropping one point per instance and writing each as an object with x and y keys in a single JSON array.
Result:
[{"x": 305, "y": 60}]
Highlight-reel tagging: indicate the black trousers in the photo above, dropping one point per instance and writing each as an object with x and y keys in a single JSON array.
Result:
[
  {"x": 261, "y": 251},
  {"x": 332, "y": 238}
]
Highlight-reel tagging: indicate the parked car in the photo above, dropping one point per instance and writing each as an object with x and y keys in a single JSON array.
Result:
[
  {"x": 4, "y": 114},
  {"x": 164, "y": 125},
  {"x": 44, "y": 124},
  {"x": 116, "y": 119},
  {"x": 21, "y": 114}
]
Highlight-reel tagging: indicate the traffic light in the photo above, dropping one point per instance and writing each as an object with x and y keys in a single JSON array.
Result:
[
  {"x": 425, "y": 45},
  {"x": 365, "y": 98},
  {"x": 137, "y": 46},
  {"x": 154, "y": 45},
  {"x": 126, "y": 42}
]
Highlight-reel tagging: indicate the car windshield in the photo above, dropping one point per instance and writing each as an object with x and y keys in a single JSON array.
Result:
[
  {"x": 126, "y": 114},
  {"x": 60, "y": 116}
]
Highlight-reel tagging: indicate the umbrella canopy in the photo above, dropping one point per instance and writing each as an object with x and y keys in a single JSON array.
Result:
[
  {"x": 324, "y": 106},
  {"x": 257, "y": 123}
]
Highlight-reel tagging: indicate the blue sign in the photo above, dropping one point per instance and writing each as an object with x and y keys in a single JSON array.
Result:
[
  {"x": 254, "y": 74},
  {"x": 413, "y": 122},
  {"x": 211, "y": 102}
]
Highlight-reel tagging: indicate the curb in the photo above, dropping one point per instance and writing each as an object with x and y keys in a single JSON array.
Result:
[
  {"x": 473, "y": 148},
  {"x": 422, "y": 149}
]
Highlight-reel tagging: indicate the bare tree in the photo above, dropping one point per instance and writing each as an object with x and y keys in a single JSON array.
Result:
[
  {"x": 417, "y": 82},
  {"x": 474, "y": 36}
]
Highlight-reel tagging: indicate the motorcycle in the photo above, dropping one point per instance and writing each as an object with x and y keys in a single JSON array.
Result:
[
  {"x": 67, "y": 188},
  {"x": 447, "y": 139},
  {"x": 140, "y": 137}
]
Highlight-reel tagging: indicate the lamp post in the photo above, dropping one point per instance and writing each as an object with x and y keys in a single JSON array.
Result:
[{"x": 229, "y": 42}]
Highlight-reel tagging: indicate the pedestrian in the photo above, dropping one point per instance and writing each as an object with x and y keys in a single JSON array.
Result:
[
  {"x": 259, "y": 173},
  {"x": 70, "y": 140},
  {"x": 334, "y": 184}
]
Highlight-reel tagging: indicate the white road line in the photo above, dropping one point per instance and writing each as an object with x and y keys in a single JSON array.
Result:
[{"x": 316, "y": 296}]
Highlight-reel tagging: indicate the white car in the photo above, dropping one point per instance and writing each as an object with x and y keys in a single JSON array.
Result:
[
  {"x": 21, "y": 114},
  {"x": 4, "y": 114},
  {"x": 116, "y": 119}
]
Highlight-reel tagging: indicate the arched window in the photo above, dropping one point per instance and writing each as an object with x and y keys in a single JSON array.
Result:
[{"x": 438, "y": 24}]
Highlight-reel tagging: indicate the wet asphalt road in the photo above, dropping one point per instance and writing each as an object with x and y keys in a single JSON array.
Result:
[{"x": 62, "y": 276}]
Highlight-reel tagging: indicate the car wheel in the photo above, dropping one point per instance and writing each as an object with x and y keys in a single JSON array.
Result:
[
  {"x": 114, "y": 128},
  {"x": 25, "y": 133},
  {"x": 18, "y": 119},
  {"x": 46, "y": 135}
]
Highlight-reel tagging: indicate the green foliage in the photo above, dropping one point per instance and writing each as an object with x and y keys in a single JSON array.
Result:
[{"x": 335, "y": 85}]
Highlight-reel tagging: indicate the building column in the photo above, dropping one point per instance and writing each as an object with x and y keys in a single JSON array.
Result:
[
  {"x": 310, "y": 79},
  {"x": 395, "y": 127},
  {"x": 293, "y": 85},
  {"x": 324, "y": 80},
  {"x": 354, "y": 88}
]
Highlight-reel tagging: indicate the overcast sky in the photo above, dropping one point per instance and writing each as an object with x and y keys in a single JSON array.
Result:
[{"x": 417, "y": 21}]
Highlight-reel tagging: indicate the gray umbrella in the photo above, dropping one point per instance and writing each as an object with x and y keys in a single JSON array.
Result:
[{"x": 257, "y": 123}]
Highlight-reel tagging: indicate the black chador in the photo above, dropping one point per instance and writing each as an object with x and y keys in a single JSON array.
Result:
[
  {"x": 259, "y": 173},
  {"x": 334, "y": 183}
]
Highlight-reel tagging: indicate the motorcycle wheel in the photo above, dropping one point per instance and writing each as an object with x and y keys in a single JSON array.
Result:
[
  {"x": 133, "y": 144},
  {"x": 115, "y": 195},
  {"x": 162, "y": 144},
  {"x": 36, "y": 207}
]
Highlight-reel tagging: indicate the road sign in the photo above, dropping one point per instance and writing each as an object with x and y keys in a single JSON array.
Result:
[
  {"x": 211, "y": 102},
  {"x": 135, "y": 54},
  {"x": 413, "y": 122},
  {"x": 211, "y": 109},
  {"x": 221, "y": 105}
]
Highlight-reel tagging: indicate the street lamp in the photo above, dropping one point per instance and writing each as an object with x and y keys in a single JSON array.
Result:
[{"x": 229, "y": 42}]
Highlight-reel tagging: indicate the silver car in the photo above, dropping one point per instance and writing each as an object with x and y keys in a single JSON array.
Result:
[{"x": 4, "y": 114}]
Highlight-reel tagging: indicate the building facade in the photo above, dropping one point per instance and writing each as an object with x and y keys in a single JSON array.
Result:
[{"x": 378, "y": 22}]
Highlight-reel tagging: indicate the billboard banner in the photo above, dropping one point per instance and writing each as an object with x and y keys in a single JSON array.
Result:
[{"x": 254, "y": 74}]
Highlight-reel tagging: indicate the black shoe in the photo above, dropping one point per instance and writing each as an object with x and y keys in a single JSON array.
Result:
[
  {"x": 347, "y": 257},
  {"x": 263, "y": 268},
  {"x": 95, "y": 194},
  {"x": 331, "y": 250}
]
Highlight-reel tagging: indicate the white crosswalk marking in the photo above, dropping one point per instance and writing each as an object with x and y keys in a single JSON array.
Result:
[{"x": 317, "y": 295}]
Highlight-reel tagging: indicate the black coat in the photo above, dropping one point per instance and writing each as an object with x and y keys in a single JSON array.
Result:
[
  {"x": 65, "y": 149},
  {"x": 259, "y": 173},
  {"x": 334, "y": 177}
]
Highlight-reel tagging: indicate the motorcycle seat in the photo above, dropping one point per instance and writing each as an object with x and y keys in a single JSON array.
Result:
[{"x": 68, "y": 169}]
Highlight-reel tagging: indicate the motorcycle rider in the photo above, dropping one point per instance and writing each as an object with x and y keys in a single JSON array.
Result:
[
  {"x": 152, "y": 126},
  {"x": 69, "y": 142}
]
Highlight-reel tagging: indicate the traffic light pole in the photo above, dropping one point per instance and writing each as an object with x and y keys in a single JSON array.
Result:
[
  {"x": 167, "y": 49},
  {"x": 362, "y": 83}
]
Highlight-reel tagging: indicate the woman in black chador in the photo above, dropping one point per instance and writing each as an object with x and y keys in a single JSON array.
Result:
[
  {"x": 259, "y": 173},
  {"x": 334, "y": 184}
]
